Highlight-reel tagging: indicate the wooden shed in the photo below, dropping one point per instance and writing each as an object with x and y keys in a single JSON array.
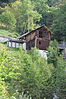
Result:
[{"x": 38, "y": 38}]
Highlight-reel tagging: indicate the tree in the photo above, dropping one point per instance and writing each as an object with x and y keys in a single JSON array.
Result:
[
  {"x": 53, "y": 53},
  {"x": 45, "y": 10},
  {"x": 30, "y": 75},
  {"x": 57, "y": 79},
  {"x": 28, "y": 17},
  {"x": 60, "y": 29},
  {"x": 8, "y": 19},
  {"x": 43, "y": 74}
]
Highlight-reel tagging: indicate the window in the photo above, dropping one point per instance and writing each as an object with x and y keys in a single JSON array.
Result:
[
  {"x": 40, "y": 34},
  {"x": 39, "y": 42}
]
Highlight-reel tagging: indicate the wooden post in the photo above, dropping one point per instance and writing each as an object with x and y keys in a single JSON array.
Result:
[
  {"x": 11, "y": 43},
  {"x": 35, "y": 41}
]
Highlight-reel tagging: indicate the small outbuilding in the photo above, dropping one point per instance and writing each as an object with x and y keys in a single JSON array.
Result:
[{"x": 15, "y": 43}]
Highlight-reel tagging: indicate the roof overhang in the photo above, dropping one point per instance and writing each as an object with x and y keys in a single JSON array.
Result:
[
  {"x": 28, "y": 33},
  {"x": 16, "y": 41}
]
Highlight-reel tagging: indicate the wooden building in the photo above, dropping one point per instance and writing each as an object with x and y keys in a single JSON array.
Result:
[{"x": 38, "y": 38}]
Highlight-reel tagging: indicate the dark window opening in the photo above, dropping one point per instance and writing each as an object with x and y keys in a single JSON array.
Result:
[
  {"x": 61, "y": 51},
  {"x": 39, "y": 42},
  {"x": 40, "y": 34}
]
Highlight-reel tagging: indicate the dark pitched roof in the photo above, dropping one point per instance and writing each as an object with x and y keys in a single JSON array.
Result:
[
  {"x": 16, "y": 40},
  {"x": 4, "y": 38},
  {"x": 34, "y": 30}
]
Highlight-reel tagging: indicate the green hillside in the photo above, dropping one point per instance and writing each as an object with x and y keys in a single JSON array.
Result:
[
  {"x": 30, "y": 74},
  {"x": 25, "y": 74},
  {"x": 8, "y": 33}
]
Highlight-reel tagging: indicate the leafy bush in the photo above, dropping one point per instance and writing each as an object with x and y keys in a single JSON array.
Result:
[
  {"x": 8, "y": 19},
  {"x": 30, "y": 75}
]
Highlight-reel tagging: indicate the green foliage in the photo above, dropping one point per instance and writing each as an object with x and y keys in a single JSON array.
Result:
[
  {"x": 58, "y": 78},
  {"x": 8, "y": 19},
  {"x": 30, "y": 14},
  {"x": 60, "y": 29},
  {"x": 53, "y": 53},
  {"x": 28, "y": 17},
  {"x": 59, "y": 72},
  {"x": 9, "y": 33},
  {"x": 42, "y": 7},
  {"x": 29, "y": 75},
  {"x": 26, "y": 74}
]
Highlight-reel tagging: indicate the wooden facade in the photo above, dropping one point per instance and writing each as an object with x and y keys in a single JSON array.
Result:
[{"x": 38, "y": 38}]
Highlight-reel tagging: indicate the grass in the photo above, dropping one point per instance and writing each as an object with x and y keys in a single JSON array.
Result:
[{"x": 4, "y": 32}]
